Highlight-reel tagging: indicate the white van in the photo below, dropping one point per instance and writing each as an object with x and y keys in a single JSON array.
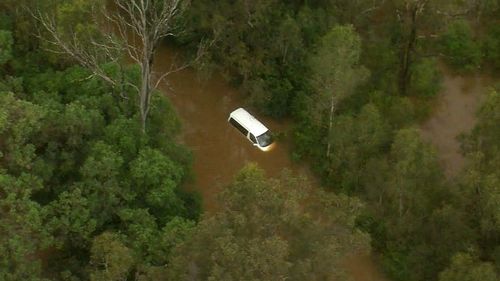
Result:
[{"x": 251, "y": 128}]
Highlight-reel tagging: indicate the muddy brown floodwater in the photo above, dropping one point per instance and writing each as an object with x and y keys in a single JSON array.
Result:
[
  {"x": 455, "y": 113},
  {"x": 220, "y": 151}
]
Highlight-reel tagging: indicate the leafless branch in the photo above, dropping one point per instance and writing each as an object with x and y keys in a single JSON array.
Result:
[
  {"x": 73, "y": 48},
  {"x": 134, "y": 28}
]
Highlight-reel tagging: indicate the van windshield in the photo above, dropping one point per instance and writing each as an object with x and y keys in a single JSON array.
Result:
[{"x": 265, "y": 139}]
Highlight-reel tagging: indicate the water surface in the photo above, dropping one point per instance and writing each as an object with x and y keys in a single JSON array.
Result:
[
  {"x": 220, "y": 151},
  {"x": 458, "y": 101}
]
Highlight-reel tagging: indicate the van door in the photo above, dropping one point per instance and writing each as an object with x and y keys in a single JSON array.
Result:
[{"x": 252, "y": 138}]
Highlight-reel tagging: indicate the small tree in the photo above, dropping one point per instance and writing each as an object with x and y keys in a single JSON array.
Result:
[
  {"x": 462, "y": 51},
  {"x": 416, "y": 177},
  {"x": 335, "y": 71},
  {"x": 110, "y": 260}
]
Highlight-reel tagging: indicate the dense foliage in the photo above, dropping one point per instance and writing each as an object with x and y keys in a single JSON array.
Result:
[
  {"x": 271, "y": 230},
  {"x": 84, "y": 194},
  {"x": 88, "y": 193},
  {"x": 359, "y": 130}
]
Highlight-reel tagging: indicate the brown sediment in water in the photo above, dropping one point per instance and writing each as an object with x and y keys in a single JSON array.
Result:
[
  {"x": 220, "y": 151},
  {"x": 362, "y": 268},
  {"x": 455, "y": 114}
]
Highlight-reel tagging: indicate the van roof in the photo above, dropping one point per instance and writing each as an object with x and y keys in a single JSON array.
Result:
[{"x": 247, "y": 120}]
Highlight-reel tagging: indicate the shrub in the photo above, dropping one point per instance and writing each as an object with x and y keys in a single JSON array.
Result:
[{"x": 460, "y": 48}]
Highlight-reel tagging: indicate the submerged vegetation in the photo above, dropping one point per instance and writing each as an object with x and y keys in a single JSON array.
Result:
[{"x": 90, "y": 189}]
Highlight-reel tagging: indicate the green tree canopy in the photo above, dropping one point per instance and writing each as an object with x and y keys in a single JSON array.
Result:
[
  {"x": 110, "y": 259},
  {"x": 266, "y": 230},
  {"x": 458, "y": 43},
  {"x": 464, "y": 267},
  {"x": 20, "y": 122},
  {"x": 6, "y": 42},
  {"x": 335, "y": 72},
  {"x": 21, "y": 228}
]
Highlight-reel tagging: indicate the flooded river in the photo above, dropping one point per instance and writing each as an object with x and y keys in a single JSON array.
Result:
[{"x": 220, "y": 151}]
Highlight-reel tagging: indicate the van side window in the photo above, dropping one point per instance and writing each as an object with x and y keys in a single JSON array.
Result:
[
  {"x": 238, "y": 126},
  {"x": 252, "y": 138}
]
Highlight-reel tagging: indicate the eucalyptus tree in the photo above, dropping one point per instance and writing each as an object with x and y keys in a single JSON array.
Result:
[
  {"x": 94, "y": 33},
  {"x": 335, "y": 71}
]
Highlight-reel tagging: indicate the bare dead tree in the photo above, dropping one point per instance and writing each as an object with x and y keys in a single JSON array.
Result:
[
  {"x": 146, "y": 22},
  {"x": 138, "y": 28}
]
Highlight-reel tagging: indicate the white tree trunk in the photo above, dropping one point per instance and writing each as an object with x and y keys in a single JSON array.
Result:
[
  {"x": 148, "y": 21},
  {"x": 400, "y": 209},
  {"x": 143, "y": 95},
  {"x": 332, "y": 111}
]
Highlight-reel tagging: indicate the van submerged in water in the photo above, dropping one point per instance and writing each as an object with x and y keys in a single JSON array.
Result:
[{"x": 251, "y": 128}]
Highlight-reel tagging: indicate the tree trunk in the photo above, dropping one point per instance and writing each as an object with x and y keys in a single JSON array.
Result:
[
  {"x": 145, "y": 90},
  {"x": 400, "y": 203},
  {"x": 146, "y": 21},
  {"x": 332, "y": 110},
  {"x": 407, "y": 50}
]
